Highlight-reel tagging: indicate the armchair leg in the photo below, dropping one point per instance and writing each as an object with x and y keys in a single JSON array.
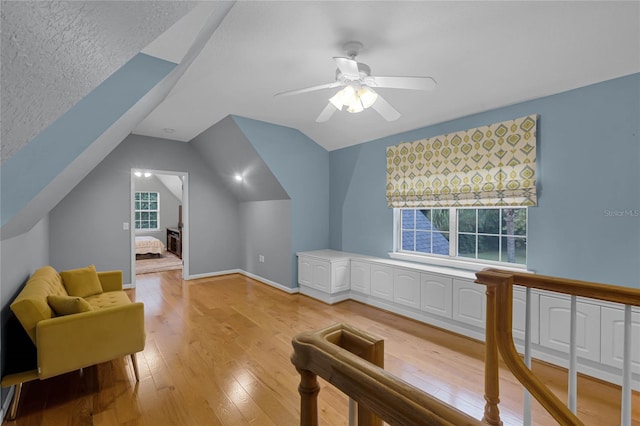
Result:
[
  {"x": 134, "y": 361},
  {"x": 13, "y": 410}
]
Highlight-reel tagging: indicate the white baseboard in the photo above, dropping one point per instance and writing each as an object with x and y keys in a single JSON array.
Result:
[
  {"x": 329, "y": 299},
  {"x": 215, "y": 274},
  {"x": 271, "y": 283},
  {"x": 5, "y": 404},
  {"x": 246, "y": 274}
]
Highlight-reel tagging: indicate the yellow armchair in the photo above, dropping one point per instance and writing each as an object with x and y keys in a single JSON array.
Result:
[{"x": 109, "y": 326}]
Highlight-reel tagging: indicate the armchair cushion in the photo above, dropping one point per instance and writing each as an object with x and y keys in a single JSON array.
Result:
[
  {"x": 82, "y": 282},
  {"x": 68, "y": 305}
]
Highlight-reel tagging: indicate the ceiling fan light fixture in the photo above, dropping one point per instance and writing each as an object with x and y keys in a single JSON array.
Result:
[
  {"x": 367, "y": 96},
  {"x": 355, "y": 106},
  {"x": 346, "y": 96}
]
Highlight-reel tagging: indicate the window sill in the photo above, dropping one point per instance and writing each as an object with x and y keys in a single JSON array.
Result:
[{"x": 453, "y": 263}]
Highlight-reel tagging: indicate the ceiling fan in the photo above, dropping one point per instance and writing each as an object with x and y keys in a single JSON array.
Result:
[{"x": 358, "y": 87}]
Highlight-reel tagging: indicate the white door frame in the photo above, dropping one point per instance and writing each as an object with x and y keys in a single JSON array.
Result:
[{"x": 185, "y": 220}]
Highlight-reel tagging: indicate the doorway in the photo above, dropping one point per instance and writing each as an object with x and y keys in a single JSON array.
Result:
[{"x": 159, "y": 218}]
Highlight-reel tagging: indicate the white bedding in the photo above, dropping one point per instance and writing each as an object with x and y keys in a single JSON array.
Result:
[{"x": 147, "y": 244}]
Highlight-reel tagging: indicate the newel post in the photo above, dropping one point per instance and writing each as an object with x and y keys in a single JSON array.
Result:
[
  {"x": 308, "y": 390},
  {"x": 491, "y": 377}
]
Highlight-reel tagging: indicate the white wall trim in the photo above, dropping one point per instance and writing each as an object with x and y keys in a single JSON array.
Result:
[
  {"x": 329, "y": 299},
  {"x": 214, "y": 274},
  {"x": 271, "y": 283}
]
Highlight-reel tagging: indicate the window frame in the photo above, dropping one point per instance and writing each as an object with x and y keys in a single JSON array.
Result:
[
  {"x": 157, "y": 211},
  {"x": 450, "y": 260}
]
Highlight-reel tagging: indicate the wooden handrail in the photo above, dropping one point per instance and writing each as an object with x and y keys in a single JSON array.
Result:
[
  {"x": 499, "y": 333},
  {"x": 327, "y": 353},
  {"x": 606, "y": 292}
]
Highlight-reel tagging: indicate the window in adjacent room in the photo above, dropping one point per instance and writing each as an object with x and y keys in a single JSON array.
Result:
[
  {"x": 482, "y": 234},
  {"x": 147, "y": 210}
]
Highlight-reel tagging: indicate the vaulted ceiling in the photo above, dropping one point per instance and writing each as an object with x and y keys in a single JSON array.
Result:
[{"x": 483, "y": 55}]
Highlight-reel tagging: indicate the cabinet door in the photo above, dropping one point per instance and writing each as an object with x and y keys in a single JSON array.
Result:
[
  {"x": 555, "y": 323},
  {"x": 406, "y": 288},
  {"x": 305, "y": 271},
  {"x": 361, "y": 277},
  {"x": 519, "y": 315},
  {"x": 382, "y": 282},
  {"x": 321, "y": 275},
  {"x": 469, "y": 303},
  {"x": 437, "y": 294},
  {"x": 340, "y": 276},
  {"x": 612, "y": 335}
]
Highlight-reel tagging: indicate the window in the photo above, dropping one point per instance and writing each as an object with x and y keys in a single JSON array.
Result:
[
  {"x": 483, "y": 234},
  {"x": 147, "y": 210}
]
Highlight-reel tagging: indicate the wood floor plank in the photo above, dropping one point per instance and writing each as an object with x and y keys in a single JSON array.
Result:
[{"x": 218, "y": 349}]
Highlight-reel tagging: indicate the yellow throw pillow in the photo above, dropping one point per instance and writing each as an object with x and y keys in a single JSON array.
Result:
[
  {"x": 67, "y": 305},
  {"x": 82, "y": 282}
]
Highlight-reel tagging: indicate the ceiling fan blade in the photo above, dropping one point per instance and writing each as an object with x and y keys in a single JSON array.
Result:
[
  {"x": 326, "y": 113},
  {"x": 385, "y": 109},
  {"x": 310, "y": 89},
  {"x": 411, "y": 83},
  {"x": 348, "y": 67}
]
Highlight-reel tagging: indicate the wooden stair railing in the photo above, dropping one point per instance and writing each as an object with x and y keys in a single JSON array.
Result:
[
  {"x": 339, "y": 354},
  {"x": 499, "y": 333}
]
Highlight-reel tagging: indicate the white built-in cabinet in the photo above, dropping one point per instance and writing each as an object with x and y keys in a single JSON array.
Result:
[
  {"x": 450, "y": 299},
  {"x": 612, "y": 337},
  {"x": 436, "y": 294},
  {"x": 324, "y": 274},
  {"x": 555, "y": 320},
  {"x": 469, "y": 303},
  {"x": 382, "y": 282},
  {"x": 361, "y": 277},
  {"x": 519, "y": 315},
  {"x": 406, "y": 287}
]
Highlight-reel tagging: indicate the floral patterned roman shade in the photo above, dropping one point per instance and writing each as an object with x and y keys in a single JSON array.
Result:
[{"x": 493, "y": 165}]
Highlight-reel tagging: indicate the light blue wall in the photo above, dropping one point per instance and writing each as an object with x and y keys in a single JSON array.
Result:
[
  {"x": 27, "y": 172},
  {"x": 588, "y": 164},
  {"x": 302, "y": 168}
]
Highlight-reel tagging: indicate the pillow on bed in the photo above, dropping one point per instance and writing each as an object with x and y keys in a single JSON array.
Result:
[
  {"x": 67, "y": 305},
  {"x": 82, "y": 282}
]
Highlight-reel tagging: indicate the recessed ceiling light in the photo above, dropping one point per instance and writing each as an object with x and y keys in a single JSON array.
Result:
[
  {"x": 169, "y": 130},
  {"x": 238, "y": 178}
]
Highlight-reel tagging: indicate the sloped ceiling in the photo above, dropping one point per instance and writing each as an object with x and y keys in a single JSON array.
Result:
[
  {"x": 483, "y": 54},
  {"x": 226, "y": 148},
  {"x": 55, "y": 52},
  {"x": 44, "y": 170}
]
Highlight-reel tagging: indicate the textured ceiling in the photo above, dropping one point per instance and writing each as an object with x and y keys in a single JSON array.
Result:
[
  {"x": 55, "y": 52},
  {"x": 484, "y": 55}
]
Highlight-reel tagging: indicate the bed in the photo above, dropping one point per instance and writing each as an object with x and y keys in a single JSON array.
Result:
[{"x": 149, "y": 245}]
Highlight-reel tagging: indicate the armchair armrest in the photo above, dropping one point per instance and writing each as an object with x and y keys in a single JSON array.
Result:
[
  {"x": 72, "y": 342},
  {"x": 110, "y": 280}
]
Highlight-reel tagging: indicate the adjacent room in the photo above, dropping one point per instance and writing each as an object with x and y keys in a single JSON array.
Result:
[{"x": 279, "y": 213}]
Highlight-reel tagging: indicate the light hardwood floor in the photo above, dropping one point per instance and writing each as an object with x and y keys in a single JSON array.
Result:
[{"x": 218, "y": 351}]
